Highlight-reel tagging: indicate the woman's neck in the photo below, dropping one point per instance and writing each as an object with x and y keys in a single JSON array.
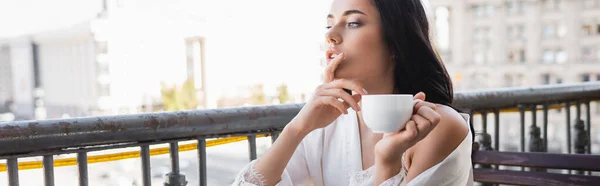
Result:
[{"x": 380, "y": 86}]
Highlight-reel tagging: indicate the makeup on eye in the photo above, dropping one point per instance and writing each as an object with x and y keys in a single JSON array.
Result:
[{"x": 349, "y": 24}]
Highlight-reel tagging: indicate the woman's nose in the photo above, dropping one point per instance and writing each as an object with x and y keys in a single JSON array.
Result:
[{"x": 333, "y": 37}]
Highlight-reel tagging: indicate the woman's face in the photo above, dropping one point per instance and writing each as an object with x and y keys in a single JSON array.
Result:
[{"x": 355, "y": 29}]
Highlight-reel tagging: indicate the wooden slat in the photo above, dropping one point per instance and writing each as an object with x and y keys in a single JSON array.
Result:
[
  {"x": 532, "y": 178},
  {"x": 539, "y": 160}
]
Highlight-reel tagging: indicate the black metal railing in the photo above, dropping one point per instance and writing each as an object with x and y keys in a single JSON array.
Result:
[{"x": 82, "y": 135}]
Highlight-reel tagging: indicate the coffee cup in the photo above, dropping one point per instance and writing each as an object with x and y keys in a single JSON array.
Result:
[{"x": 387, "y": 113}]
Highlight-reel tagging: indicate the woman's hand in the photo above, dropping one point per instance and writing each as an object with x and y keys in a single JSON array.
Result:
[
  {"x": 389, "y": 150},
  {"x": 325, "y": 105}
]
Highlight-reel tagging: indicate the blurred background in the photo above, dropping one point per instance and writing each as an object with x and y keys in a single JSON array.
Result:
[{"x": 74, "y": 58}]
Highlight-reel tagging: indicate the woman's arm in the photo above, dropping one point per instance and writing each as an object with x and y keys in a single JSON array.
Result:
[
  {"x": 272, "y": 164},
  {"x": 440, "y": 143}
]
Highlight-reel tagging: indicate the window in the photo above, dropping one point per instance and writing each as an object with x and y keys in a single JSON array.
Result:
[
  {"x": 513, "y": 80},
  {"x": 597, "y": 77},
  {"x": 482, "y": 34},
  {"x": 511, "y": 56},
  {"x": 479, "y": 57},
  {"x": 479, "y": 81},
  {"x": 516, "y": 56},
  {"x": 508, "y": 80},
  {"x": 516, "y": 32},
  {"x": 548, "y": 56},
  {"x": 515, "y": 7},
  {"x": 562, "y": 30},
  {"x": 489, "y": 10},
  {"x": 587, "y": 54},
  {"x": 585, "y": 77},
  {"x": 521, "y": 7},
  {"x": 587, "y": 30},
  {"x": 549, "y": 30},
  {"x": 561, "y": 56},
  {"x": 551, "y": 5},
  {"x": 598, "y": 54},
  {"x": 522, "y": 55},
  {"x": 521, "y": 32},
  {"x": 546, "y": 79},
  {"x": 481, "y": 10},
  {"x": 511, "y": 7},
  {"x": 591, "y": 4},
  {"x": 559, "y": 81},
  {"x": 478, "y": 11},
  {"x": 512, "y": 32},
  {"x": 482, "y": 56}
]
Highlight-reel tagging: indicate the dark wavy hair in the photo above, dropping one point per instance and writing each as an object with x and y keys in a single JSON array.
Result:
[{"x": 418, "y": 68}]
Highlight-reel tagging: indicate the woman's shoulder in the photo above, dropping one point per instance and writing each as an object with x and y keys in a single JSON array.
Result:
[
  {"x": 452, "y": 128},
  {"x": 447, "y": 135},
  {"x": 441, "y": 141}
]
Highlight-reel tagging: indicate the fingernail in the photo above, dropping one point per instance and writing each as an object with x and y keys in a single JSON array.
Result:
[
  {"x": 341, "y": 55},
  {"x": 365, "y": 91}
]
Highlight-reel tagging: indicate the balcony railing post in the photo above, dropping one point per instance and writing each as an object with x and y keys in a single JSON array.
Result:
[
  {"x": 536, "y": 144},
  {"x": 48, "y": 164},
  {"x": 545, "y": 126},
  {"x": 581, "y": 138},
  {"x": 202, "y": 161},
  {"x": 252, "y": 147},
  {"x": 12, "y": 166},
  {"x": 145, "y": 156},
  {"x": 274, "y": 136},
  {"x": 568, "y": 129},
  {"x": 497, "y": 131},
  {"x": 588, "y": 124},
  {"x": 175, "y": 178},
  {"x": 82, "y": 164},
  {"x": 522, "y": 119},
  {"x": 522, "y": 131},
  {"x": 588, "y": 119},
  {"x": 484, "y": 138}
]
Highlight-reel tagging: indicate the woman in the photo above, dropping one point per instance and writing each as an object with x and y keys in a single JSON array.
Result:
[{"x": 376, "y": 47}]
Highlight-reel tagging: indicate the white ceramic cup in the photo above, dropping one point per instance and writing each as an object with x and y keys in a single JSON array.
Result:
[{"x": 387, "y": 113}]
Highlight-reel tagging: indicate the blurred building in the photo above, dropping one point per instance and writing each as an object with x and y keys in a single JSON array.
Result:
[
  {"x": 505, "y": 43},
  {"x": 17, "y": 77},
  {"x": 113, "y": 64}
]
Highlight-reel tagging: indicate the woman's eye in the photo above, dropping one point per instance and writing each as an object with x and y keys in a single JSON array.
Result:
[
  {"x": 353, "y": 24},
  {"x": 328, "y": 27}
]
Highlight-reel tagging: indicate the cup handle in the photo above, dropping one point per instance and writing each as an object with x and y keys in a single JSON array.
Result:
[{"x": 415, "y": 102}]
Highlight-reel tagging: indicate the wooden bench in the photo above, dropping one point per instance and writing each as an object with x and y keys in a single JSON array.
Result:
[{"x": 538, "y": 161}]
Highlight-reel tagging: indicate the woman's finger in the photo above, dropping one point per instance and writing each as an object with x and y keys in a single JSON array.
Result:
[
  {"x": 429, "y": 114},
  {"x": 347, "y": 84},
  {"x": 334, "y": 102},
  {"x": 339, "y": 93},
  {"x": 420, "y": 104},
  {"x": 420, "y": 96},
  {"x": 423, "y": 125},
  {"x": 410, "y": 131},
  {"x": 330, "y": 69}
]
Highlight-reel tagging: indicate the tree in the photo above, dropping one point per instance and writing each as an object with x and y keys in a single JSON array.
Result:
[
  {"x": 258, "y": 94},
  {"x": 283, "y": 93},
  {"x": 179, "y": 98}
]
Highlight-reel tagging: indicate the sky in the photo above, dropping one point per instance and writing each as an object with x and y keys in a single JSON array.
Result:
[
  {"x": 246, "y": 40},
  {"x": 18, "y": 17}
]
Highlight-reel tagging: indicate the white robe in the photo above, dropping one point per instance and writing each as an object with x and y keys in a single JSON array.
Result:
[{"x": 332, "y": 156}]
